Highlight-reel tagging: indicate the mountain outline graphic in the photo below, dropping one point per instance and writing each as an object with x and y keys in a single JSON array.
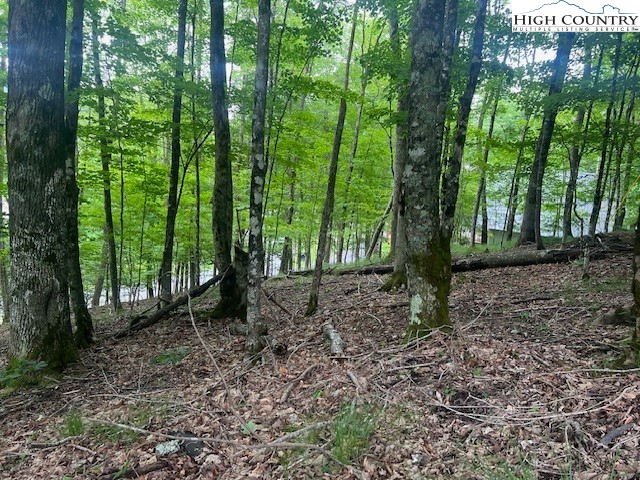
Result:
[{"x": 560, "y": 2}]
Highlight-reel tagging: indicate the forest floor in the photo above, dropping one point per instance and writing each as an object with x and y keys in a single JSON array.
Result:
[{"x": 523, "y": 388}]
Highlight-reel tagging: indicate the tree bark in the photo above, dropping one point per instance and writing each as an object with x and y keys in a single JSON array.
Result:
[
  {"x": 40, "y": 321},
  {"x": 428, "y": 254},
  {"x": 4, "y": 251},
  {"x": 172, "y": 200},
  {"x": 105, "y": 156},
  {"x": 530, "y": 230},
  {"x": 312, "y": 304},
  {"x": 222, "y": 218},
  {"x": 84, "y": 324},
  {"x": 258, "y": 177}
]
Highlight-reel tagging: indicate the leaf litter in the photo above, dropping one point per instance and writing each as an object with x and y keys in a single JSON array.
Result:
[{"x": 524, "y": 387}]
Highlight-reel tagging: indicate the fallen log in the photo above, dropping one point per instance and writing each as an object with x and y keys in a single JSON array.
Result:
[
  {"x": 520, "y": 257},
  {"x": 336, "y": 345},
  {"x": 143, "y": 321}
]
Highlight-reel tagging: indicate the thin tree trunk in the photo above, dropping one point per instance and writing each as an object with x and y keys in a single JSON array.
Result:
[
  {"x": 352, "y": 159},
  {"x": 172, "y": 200},
  {"x": 487, "y": 99},
  {"x": 621, "y": 209},
  {"x": 512, "y": 206},
  {"x": 352, "y": 156},
  {"x": 378, "y": 231},
  {"x": 623, "y": 185},
  {"x": 606, "y": 138},
  {"x": 84, "y": 324},
  {"x": 258, "y": 176},
  {"x": 194, "y": 269},
  {"x": 451, "y": 177},
  {"x": 312, "y": 304},
  {"x": 530, "y": 231},
  {"x": 400, "y": 152},
  {"x": 4, "y": 253},
  {"x": 99, "y": 285},
  {"x": 105, "y": 155}
]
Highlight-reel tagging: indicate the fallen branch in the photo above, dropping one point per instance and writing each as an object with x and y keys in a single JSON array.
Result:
[
  {"x": 141, "y": 322},
  {"x": 336, "y": 345},
  {"x": 271, "y": 297},
  {"x": 295, "y": 381},
  {"x": 144, "y": 431}
]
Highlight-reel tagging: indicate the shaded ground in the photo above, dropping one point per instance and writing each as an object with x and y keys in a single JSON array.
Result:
[{"x": 523, "y": 388}]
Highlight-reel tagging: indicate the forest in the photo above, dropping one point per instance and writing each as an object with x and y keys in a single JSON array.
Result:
[{"x": 316, "y": 239}]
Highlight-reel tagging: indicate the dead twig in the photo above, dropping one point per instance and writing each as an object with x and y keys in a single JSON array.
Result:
[
  {"x": 295, "y": 381},
  {"x": 144, "y": 431},
  {"x": 272, "y": 299}
]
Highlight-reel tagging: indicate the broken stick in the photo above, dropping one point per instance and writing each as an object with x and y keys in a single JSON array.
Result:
[{"x": 336, "y": 345}]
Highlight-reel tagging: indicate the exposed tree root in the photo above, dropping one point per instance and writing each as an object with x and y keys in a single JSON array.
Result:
[{"x": 395, "y": 282}]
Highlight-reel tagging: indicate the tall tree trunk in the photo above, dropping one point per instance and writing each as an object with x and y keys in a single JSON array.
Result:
[
  {"x": 172, "y": 200},
  {"x": 451, "y": 177},
  {"x": 575, "y": 154},
  {"x": 231, "y": 295},
  {"x": 84, "y": 325},
  {"x": 627, "y": 139},
  {"x": 40, "y": 321},
  {"x": 398, "y": 237},
  {"x": 606, "y": 138},
  {"x": 105, "y": 156},
  {"x": 4, "y": 252},
  {"x": 194, "y": 269},
  {"x": 428, "y": 254},
  {"x": 312, "y": 304},
  {"x": 530, "y": 231},
  {"x": 512, "y": 206},
  {"x": 486, "y": 100},
  {"x": 258, "y": 176},
  {"x": 352, "y": 160}
]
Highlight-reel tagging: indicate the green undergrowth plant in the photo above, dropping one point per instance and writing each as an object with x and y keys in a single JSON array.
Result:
[
  {"x": 21, "y": 372},
  {"x": 505, "y": 470},
  {"x": 353, "y": 428},
  {"x": 73, "y": 424},
  {"x": 172, "y": 356},
  {"x": 137, "y": 416}
]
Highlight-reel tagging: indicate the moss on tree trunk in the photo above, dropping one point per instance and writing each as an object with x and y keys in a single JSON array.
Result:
[{"x": 430, "y": 283}]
